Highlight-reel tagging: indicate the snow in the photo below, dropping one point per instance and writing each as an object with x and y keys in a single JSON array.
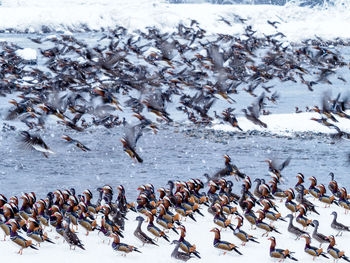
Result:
[
  {"x": 296, "y": 22},
  {"x": 287, "y": 124},
  {"x": 197, "y": 233},
  {"x": 27, "y": 53}
]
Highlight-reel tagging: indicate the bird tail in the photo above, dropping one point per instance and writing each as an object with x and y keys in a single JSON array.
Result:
[
  {"x": 292, "y": 258},
  {"x": 81, "y": 246},
  {"x": 174, "y": 229},
  {"x": 49, "y": 240},
  {"x": 199, "y": 212},
  {"x": 196, "y": 254},
  {"x": 136, "y": 249},
  {"x": 275, "y": 229},
  {"x": 346, "y": 258},
  {"x": 324, "y": 255},
  {"x": 314, "y": 210},
  {"x": 33, "y": 247},
  {"x": 235, "y": 249},
  {"x": 166, "y": 238},
  {"x": 253, "y": 240},
  {"x": 192, "y": 217},
  {"x": 138, "y": 158},
  {"x": 282, "y": 219}
]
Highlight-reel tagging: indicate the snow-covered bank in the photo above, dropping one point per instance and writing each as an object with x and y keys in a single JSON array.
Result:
[
  {"x": 287, "y": 124},
  {"x": 295, "y": 22},
  {"x": 197, "y": 233}
]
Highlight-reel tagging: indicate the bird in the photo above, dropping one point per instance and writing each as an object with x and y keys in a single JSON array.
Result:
[
  {"x": 76, "y": 143},
  {"x": 17, "y": 239},
  {"x": 293, "y": 229},
  {"x": 279, "y": 253},
  {"x": 338, "y": 226},
  {"x": 71, "y": 237},
  {"x": 186, "y": 246},
  {"x": 122, "y": 247},
  {"x": 243, "y": 236},
  {"x": 155, "y": 230},
  {"x": 131, "y": 135},
  {"x": 223, "y": 245},
  {"x": 318, "y": 236},
  {"x": 35, "y": 142},
  {"x": 141, "y": 235},
  {"x": 178, "y": 254},
  {"x": 334, "y": 252},
  {"x": 313, "y": 251}
]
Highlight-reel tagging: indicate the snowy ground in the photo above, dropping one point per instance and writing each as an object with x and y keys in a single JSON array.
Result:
[
  {"x": 295, "y": 22},
  {"x": 197, "y": 233},
  {"x": 287, "y": 124}
]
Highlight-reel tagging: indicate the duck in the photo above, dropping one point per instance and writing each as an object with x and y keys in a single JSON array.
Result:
[
  {"x": 220, "y": 219},
  {"x": 76, "y": 143},
  {"x": 180, "y": 209},
  {"x": 270, "y": 214},
  {"x": 59, "y": 226},
  {"x": 42, "y": 212},
  {"x": 313, "y": 251},
  {"x": 122, "y": 247},
  {"x": 35, "y": 232},
  {"x": 226, "y": 207},
  {"x": 334, "y": 252},
  {"x": 85, "y": 219},
  {"x": 17, "y": 239},
  {"x": 178, "y": 254},
  {"x": 88, "y": 196},
  {"x": 141, "y": 235},
  {"x": 312, "y": 188},
  {"x": 275, "y": 191},
  {"x": 300, "y": 182},
  {"x": 161, "y": 220},
  {"x": 71, "y": 211},
  {"x": 293, "y": 229},
  {"x": 7, "y": 214},
  {"x": 189, "y": 203},
  {"x": 25, "y": 210},
  {"x": 107, "y": 225},
  {"x": 333, "y": 186},
  {"x": 260, "y": 224},
  {"x": 70, "y": 237},
  {"x": 318, "y": 236},
  {"x": 185, "y": 245},
  {"x": 243, "y": 236},
  {"x": 328, "y": 200},
  {"x": 302, "y": 200},
  {"x": 279, "y": 253},
  {"x": 168, "y": 215},
  {"x": 249, "y": 214},
  {"x": 155, "y": 230},
  {"x": 301, "y": 219},
  {"x": 292, "y": 206},
  {"x": 338, "y": 226},
  {"x": 343, "y": 200},
  {"x": 223, "y": 245}
]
